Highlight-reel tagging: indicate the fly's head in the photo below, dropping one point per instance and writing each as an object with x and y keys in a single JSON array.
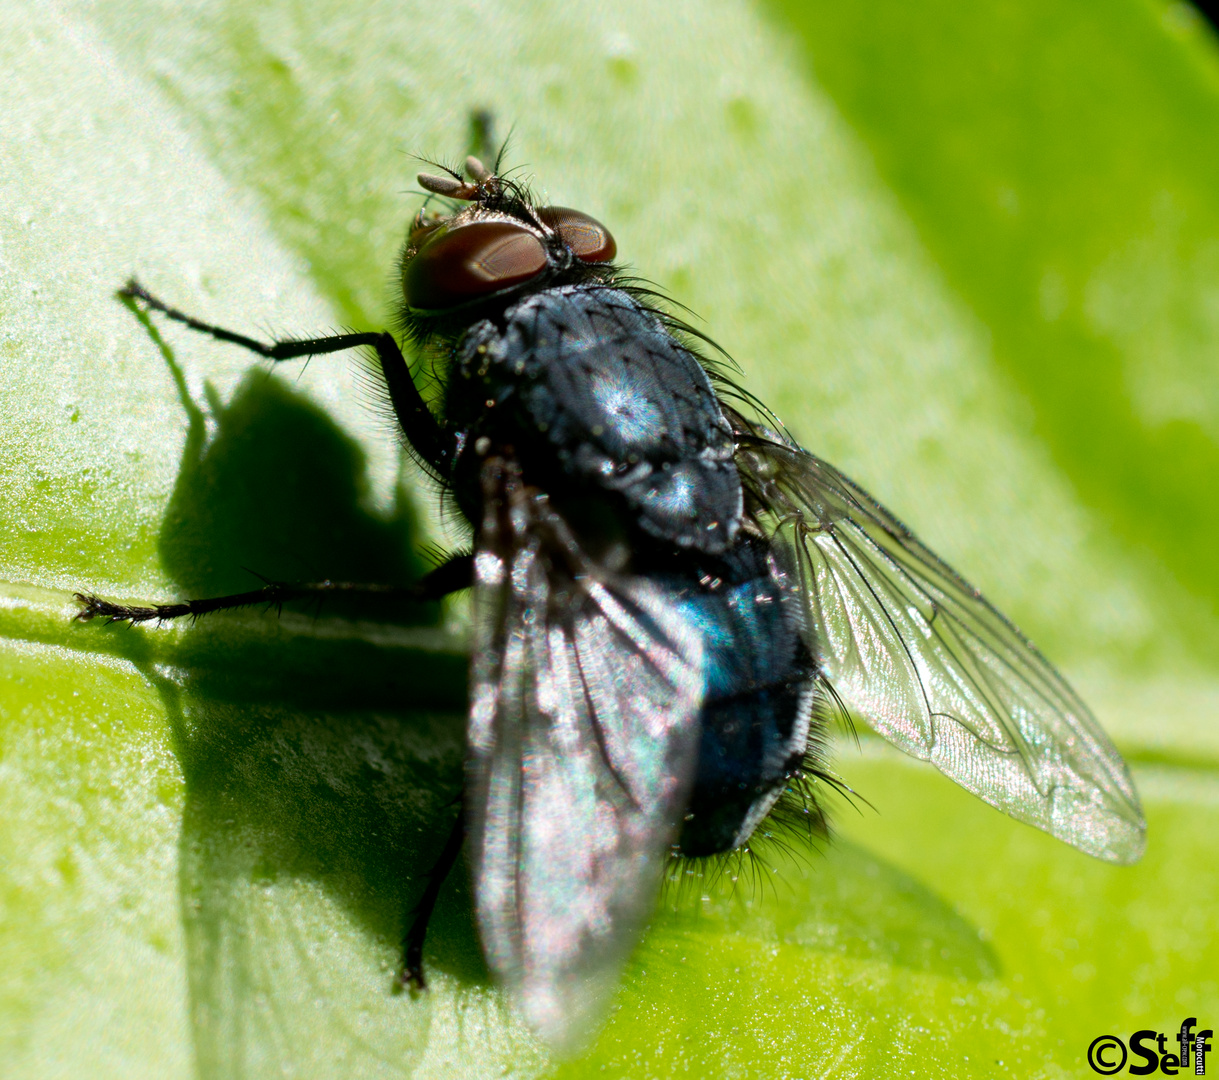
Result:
[{"x": 457, "y": 266}]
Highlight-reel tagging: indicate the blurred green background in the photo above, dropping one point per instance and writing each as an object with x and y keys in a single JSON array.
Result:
[{"x": 970, "y": 253}]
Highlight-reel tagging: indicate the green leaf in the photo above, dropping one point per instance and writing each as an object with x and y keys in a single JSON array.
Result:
[{"x": 967, "y": 253}]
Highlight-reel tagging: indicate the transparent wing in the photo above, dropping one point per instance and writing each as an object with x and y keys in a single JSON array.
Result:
[
  {"x": 583, "y": 739},
  {"x": 933, "y": 667}
]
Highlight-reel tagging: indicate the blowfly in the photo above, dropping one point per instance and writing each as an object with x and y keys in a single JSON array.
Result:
[{"x": 670, "y": 596}]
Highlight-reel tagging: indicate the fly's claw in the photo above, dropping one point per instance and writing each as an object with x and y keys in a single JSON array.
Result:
[
  {"x": 410, "y": 979},
  {"x": 90, "y": 607}
]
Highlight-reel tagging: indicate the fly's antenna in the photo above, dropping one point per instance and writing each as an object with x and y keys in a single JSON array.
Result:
[
  {"x": 449, "y": 187},
  {"x": 482, "y": 185}
]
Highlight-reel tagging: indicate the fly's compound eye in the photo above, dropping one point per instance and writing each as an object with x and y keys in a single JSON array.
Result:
[
  {"x": 589, "y": 240},
  {"x": 471, "y": 261}
]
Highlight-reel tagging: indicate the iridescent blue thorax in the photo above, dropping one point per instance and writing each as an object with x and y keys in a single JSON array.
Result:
[{"x": 592, "y": 393}]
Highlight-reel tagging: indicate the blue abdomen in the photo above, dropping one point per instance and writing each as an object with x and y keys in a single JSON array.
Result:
[{"x": 759, "y": 692}]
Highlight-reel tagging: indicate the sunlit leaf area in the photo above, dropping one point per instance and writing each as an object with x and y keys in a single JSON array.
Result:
[{"x": 968, "y": 252}]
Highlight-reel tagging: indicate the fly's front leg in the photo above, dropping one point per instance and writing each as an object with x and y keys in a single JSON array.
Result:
[
  {"x": 418, "y": 424},
  {"x": 454, "y": 575}
]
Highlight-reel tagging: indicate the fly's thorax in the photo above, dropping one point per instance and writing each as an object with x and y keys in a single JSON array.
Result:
[{"x": 591, "y": 391}]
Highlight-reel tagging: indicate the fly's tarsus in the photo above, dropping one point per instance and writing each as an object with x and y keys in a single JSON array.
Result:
[
  {"x": 452, "y": 576},
  {"x": 411, "y": 974},
  {"x": 94, "y": 607},
  {"x": 274, "y": 594}
]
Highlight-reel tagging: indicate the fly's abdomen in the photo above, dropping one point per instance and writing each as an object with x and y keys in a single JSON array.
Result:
[
  {"x": 760, "y": 685},
  {"x": 594, "y": 392}
]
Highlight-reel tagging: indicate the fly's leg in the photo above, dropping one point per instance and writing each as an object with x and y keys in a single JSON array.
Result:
[
  {"x": 412, "y": 945},
  {"x": 455, "y": 574},
  {"x": 418, "y": 424},
  {"x": 482, "y": 127}
]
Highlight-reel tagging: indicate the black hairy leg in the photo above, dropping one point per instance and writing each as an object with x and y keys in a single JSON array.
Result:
[
  {"x": 452, "y": 576},
  {"x": 412, "y": 944},
  {"x": 418, "y": 424}
]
